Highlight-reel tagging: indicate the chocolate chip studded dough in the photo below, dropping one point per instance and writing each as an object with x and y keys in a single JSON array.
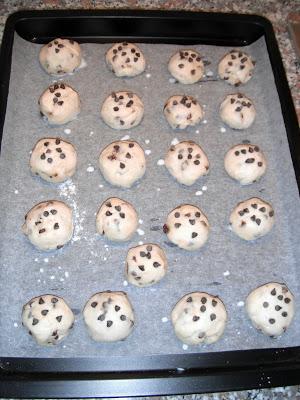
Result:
[
  {"x": 237, "y": 111},
  {"x": 199, "y": 317},
  {"x": 182, "y": 111},
  {"x": 53, "y": 159},
  {"x": 236, "y": 67},
  {"x": 271, "y": 308},
  {"x": 125, "y": 59},
  {"x": 186, "y": 66},
  {"x": 60, "y": 56},
  {"x": 49, "y": 225},
  {"x": 109, "y": 316},
  {"x": 48, "y": 319}
]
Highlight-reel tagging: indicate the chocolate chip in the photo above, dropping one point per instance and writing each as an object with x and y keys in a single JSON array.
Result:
[
  {"x": 35, "y": 321},
  {"x": 62, "y": 156},
  {"x": 180, "y": 65},
  {"x": 213, "y": 317},
  {"x": 197, "y": 214},
  {"x": 42, "y": 230},
  {"x": 60, "y": 103},
  {"x": 243, "y": 151},
  {"x": 177, "y": 225},
  {"x": 203, "y": 300},
  {"x": 123, "y": 317},
  {"x": 156, "y": 264},
  {"x": 272, "y": 321},
  {"x": 122, "y": 165},
  {"x": 256, "y": 148},
  {"x": 108, "y": 213},
  {"x": 94, "y": 304},
  {"x": 254, "y": 205},
  {"x": 214, "y": 303},
  {"x": 238, "y": 109},
  {"x": 53, "y": 212},
  {"x": 284, "y": 314},
  {"x": 273, "y": 292},
  {"x": 196, "y": 162},
  {"x": 117, "y": 308},
  {"x": 265, "y": 304},
  {"x": 122, "y": 215},
  {"x": 177, "y": 215},
  {"x": 250, "y": 160},
  {"x": 56, "y": 226},
  {"x": 258, "y": 221},
  {"x": 280, "y": 297},
  {"x": 262, "y": 209},
  {"x": 194, "y": 234},
  {"x": 278, "y": 308},
  {"x": 116, "y": 108},
  {"x": 180, "y": 156},
  {"x": 271, "y": 213},
  {"x": 101, "y": 317},
  {"x": 44, "y": 312},
  {"x": 59, "y": 318},
  {"x": 202, "y": 308},
  {"x": 287, "y": 300},
  {"x": 193, "y": 71},
  {"x": 195, "y": 318},
  {"x": 260, "y": 164},
  {"x": 192, "y": 221}
]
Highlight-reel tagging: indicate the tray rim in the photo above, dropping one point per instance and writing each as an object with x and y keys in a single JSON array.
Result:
[{"x": 153, "y": 375}]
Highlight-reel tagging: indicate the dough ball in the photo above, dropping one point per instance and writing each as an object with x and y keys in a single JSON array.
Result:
[
  {"x": 252, "y": 218},
  {"x": 109, "y": 316},
  {"x": 245, "y": 163},
  {"x": 125, "y": 59},
  {"x": 116, "y": 219},
  {"x": 122, "y": 110},
  {"x": 187, "y": 227},
  {"x": 122, "y": 163},
  {"x": 271, "y": 308},
  {"x": 182, "y": 111},
  {"x": 237, "y": 111},
  {"x": 53, "y": 159},
  {"x": 186, "y": 162},
  {"x": 48, "y": 319},
  {"x": 146, "y": 265},
  {"x": 199, "y": 317},
  {"x": 236, "y": 67},
  {"x": 60, "y": 56},
  {"x": 49, "y": 225},
  {"x": 59, "y": 104},
  {"x": 186, "y": 66}
]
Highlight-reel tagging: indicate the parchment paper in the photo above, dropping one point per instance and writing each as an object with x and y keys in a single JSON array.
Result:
[{"x": 226, "y": 266}]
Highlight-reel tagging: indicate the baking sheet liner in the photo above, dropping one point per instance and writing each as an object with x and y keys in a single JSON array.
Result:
[{"x": 226, "y": 266}]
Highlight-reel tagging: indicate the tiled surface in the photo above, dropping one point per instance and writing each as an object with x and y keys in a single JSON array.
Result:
[{"x": 277, "y": 12}]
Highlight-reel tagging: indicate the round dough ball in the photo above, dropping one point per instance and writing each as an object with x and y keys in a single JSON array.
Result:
[
  {"x": 182, "y": 111},
  {"x": 49, "y": 225},
  {"x": 146, "y": 264},
  {"x": 48, "y": 319},
  {"x": 271, "y": 308},
  {"x": 53, "y": 159},
  {"x": 109, "y": 316},
  {"x": 122, "y": 163},
  {"x": 122, "y": 110},
  {"x": 252, "y": 218},
  {"x": 117, "y": 219},
  {"x": 60, "y": 56},
  {"x": 237, "y": 111},
  {"x": 59, "y": 104},
  {"x": 186, "y": 66},
  {"x": 236, "y": 67},
  {"x": 125, "y": 59},
  {"x": 186, "y": 162},
  {"x": 245, "y": 163},
  {"x": 187, "y": 227},
  {"x": 199, "y": 317}
]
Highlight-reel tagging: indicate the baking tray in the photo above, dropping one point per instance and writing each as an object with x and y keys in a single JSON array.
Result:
[{"x": 133, "y": 376}]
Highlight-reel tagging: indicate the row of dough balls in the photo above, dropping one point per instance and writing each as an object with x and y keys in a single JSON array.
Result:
[
  {"x": 49, "y": 225},
  {"x": 197, "y": 317},
  {"x": 122, "y": 163},
  {"x": 60, "y": 104},
  {"x": 62, "y": 56}
]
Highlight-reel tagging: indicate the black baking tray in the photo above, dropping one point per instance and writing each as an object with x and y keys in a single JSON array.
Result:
[{"x": 155, "y": 375}]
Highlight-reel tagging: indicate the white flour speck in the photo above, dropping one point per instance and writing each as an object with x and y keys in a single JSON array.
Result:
[
  {"x": 83, "y": 64},
  {"x": 199, "y": 193},
  {"x": 197, "y": 131},
  {"x": 126, "y": 137},
  {"x": 209, "y": 73},
  {"x": 67, "y": 188},
  {"x": 40, "y": 281},
  {"x": 36, "y": 259},
  {"x": 30, "y": 152},
  {"x": 52, "y": 277},
  {"x": 91, "y": 133},
  {"x": 104, "y": 258},
  {"x": 67, "y": 131},
  {"x": 204, "y": 188},
  {"x": 41, "y": 270},
  {"x": 140, "y": 232},
  {"x": 164, "y": 319},
  {"x": 59, "y": 267},
  {"x": 204, "y": 121},
  {"x": 67, "y": 274},
  {"x": 100, "y": 186},
  {"x": 158, "y": 189},
  {"x": 125, "y": 283},
  {"x": 15, "y": 325},
  {"x": 46, "y": 260},
  {"x": 172, "y": 80},
  {"x": 148, "y": 75},
  {"x": 204, "y": 105},
  {"x": 223, "y": 129},
  {"x": 147, "y": 152},
  {"x": 16, "y": 191},
  {"x": 147, "y": 141},
  {"x": 90, "y": 169},
  {"x": 240, "y": 304},
  {"x": 141, "y": 221},
  {"x": 160, "y": 162},
  {"x": 185, "y": 347},
  {"x": 238, "y": 333},
  {"x": 175, "y": 141},
  {"x": 226, "y": 273},
  {"x": 141, "y": 242},
  {"x": 61, "y": 279}
]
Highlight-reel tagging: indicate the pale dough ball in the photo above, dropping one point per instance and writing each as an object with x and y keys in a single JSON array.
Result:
[
  {"x": 146, "y": 264},
  {"x": 59, "y": 104},
  {"x": 49, "y": 225},
  {"x": 122, "y": 163},
  {"x": 125, "y": 59},
  {"x": 236, "y": 67},
  {"x": 186, "y": 66},
  {"x": 245, "y": 163},
  {"x": 237, "y": 111},
  {"x": 48, "y": 319},
  {"x": 109, "y": 316},
  {"x": 60, "y": 56},
  {"x": 116, "y": 219},
  {"x": 187, "y": 227},
  {"x": 252, "y": 218},
  {"x": 53, "y": 159},
  {"x": 182, "y": 111},
  {"x": 122, "y": 110},
  {"x": 186, "y": 162},
  {"x": 199, "y": 317},
  {"x": 271, "y": 308}
]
